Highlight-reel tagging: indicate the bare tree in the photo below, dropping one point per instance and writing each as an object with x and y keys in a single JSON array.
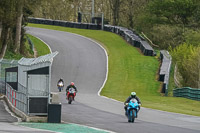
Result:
[
  {"x": 7, "y": 16},
  {"x": 20, "y": 4},
  {"x": 5, "y": 37},
  {"x": 199, "y": 67},
  {"x": 0, "y": 29},
  {"x": 115, "y": 7}
]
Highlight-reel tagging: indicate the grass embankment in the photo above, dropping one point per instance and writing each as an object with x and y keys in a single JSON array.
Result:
[
  {"x": 40, "y": 47},
  {"x": 129, "y": 70},
  {"x": 11, "y": 55}
]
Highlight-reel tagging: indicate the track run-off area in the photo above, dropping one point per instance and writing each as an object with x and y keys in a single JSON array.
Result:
[{"x": 85, "y": 62}]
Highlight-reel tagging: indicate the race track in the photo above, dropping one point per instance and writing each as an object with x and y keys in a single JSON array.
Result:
[{"x": 84, "y": 62}]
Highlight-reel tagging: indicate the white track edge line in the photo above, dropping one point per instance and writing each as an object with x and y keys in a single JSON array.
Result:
[
  {"x": 107, "y": 74},
  {"x": 44, "y": 43},
  {"x": 106, "y": 67},
  {"x": 93, "y": 128},
  {"x": 106, "y": 61},
  {"x": 104, "y": 80}
]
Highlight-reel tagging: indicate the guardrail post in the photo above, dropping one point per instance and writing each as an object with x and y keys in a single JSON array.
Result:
[
  {"x": 12, "y": 96},
  {"x": 15, "y": 98}
]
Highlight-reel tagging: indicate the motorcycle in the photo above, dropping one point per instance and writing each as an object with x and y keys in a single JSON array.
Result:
[
  {"x": 132, "y": 110},
  {"x": 70, "y": 95},
  {"x": 60, "y": 86}
]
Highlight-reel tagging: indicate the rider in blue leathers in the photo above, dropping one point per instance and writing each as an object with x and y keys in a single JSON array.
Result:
[{"x": 133, "y": 96}]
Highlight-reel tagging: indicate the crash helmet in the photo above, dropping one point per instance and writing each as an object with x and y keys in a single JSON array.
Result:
[
  {"x": 133, "y": 94},
  {"x": 72, "y": 83}
]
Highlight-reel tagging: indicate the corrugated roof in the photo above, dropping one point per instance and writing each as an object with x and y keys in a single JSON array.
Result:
[
  {"x": 8, "y": 61},
  {"x": 41, "y": 59}
]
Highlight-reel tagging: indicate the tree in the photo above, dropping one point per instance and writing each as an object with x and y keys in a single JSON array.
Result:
[
  {"x": 7, "y": 23},
  {"x": 166, "y": 36},
  {"x": 187, "y": 58},
  {"x": 115, "y": 7},
  {"x": 191, "y": 66},
  {"x": 192, "y": 37},
  {"x": 20, "y": 5},
  {"x": 174, "y": 11},
  {"x": 11, "y": 24}
]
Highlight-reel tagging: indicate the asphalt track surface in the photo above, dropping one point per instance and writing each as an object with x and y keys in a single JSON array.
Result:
[
  {"x": 84, "y": 62},
  {"x": 8, "y": 123}
]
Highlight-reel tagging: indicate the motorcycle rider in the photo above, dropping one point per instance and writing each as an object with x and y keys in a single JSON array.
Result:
[
  {"x": 133, "y": 96},
  {"x": 60, "y": 84},
  {"x": 70, "y": 86}
]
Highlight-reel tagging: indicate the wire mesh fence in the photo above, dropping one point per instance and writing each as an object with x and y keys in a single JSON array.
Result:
[
  {"x": 17, "y": 98},
  {"x": 4, "y": 63}
]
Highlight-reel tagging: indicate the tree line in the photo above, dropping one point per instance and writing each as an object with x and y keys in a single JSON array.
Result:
[
  {"x": 169, "y": 24},
  {"x": 13, "y": 18}
]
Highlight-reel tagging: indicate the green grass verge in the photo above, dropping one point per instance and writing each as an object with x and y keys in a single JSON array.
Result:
[
  {"x": 129, "y": 70},
  {"x": 41, "y": 47}
]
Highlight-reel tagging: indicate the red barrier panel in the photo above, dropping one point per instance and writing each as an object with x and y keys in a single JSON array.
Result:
[{"x": 15, "y": 98}]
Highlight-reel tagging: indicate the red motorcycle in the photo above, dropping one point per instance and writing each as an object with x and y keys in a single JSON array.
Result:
[{"x": 70, "y": 95}]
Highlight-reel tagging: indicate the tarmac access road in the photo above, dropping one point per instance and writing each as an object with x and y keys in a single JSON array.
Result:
[
  {"x": 84, "y": 62},
  {"x": 8, "y": 123}
]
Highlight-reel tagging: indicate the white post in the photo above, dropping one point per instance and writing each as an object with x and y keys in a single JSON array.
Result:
[
  {"x": 27, "y": 96},
  {"x": 49, "y": 89}
]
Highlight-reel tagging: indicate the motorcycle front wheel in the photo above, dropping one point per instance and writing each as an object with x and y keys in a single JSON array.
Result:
[
  {"x": 70, "y": 100},
  {"x": 132, "y": 115}
]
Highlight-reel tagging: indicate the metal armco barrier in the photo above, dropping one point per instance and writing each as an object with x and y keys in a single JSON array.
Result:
[
  {"x": 127, "y": 34},
  {"x": 131, "y": 37},
  {"x": 165, "y": 68},
  {"x": 187, "y": 92}
]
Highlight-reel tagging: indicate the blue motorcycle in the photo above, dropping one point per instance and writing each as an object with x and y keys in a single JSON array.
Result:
[{"x": 132, "y": 110}]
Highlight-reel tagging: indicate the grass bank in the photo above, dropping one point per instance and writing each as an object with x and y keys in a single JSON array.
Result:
[
  {"x": 40, "y": 47},
  {"x": 27, "y": 52},
  {"x": 129, "y": 70}
]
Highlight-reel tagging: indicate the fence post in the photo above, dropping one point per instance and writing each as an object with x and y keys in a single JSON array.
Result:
[
  {"x": 15, "y": 98},
  {"x": 6, "y": 91},
  {"x": 12, "y": 96}
]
